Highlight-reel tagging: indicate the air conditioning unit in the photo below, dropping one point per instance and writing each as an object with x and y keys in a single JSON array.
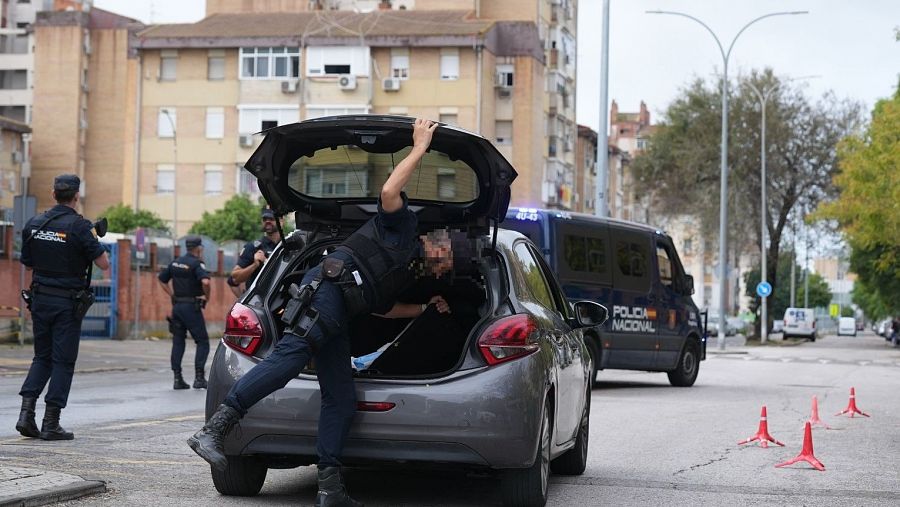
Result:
[
  {"x": 504, "y": 92},
  {"x": 552, "y": 199},
  {"x": 289, "y": 86},
  {"x": 391, "y": 84},
  {"x": 347, "y": 82},
  {"x": 500, "y": 80},
  {"x": 246, "y": 140}
]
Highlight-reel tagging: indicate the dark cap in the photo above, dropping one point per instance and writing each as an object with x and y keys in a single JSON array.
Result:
[
  {"x": 267, "y": 213},
  {"x": 66, "y": 182},
  {"x": 192, "y": 241}
]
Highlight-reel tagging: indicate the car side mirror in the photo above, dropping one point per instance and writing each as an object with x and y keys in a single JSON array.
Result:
[
  {"x": 688, "y": 285},
  {"x": 589, "y": 313}
]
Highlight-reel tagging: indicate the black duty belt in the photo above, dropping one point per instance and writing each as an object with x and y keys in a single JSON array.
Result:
[
  {"x": 184, "y": 299},
  {"x": 54, "y": 291}
]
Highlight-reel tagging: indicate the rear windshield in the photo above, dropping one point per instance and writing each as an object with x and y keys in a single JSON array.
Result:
[{"x": 348, "y": 171}]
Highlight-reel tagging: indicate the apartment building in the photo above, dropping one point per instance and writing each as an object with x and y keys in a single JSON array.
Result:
[
  {"x": 12, "y": 156},
  {"x": 206, "y": 89}
]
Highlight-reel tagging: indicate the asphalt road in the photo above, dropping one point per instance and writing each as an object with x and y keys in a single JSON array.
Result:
[{"x": 651, "y": 444}]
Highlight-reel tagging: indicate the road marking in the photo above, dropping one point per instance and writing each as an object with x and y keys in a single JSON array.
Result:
[
  {"x": 863, "y": 363},
  {"x": 153, "y": 422},
  {"x": 786, "y": 359},
  {"x": 824, "y": 361}
]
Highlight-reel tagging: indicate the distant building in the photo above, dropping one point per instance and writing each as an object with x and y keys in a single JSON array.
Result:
[
  {"x": 586, "y": 174},
  {"x": 630, "y": 133},
  {"x": 12, "y": 155}
]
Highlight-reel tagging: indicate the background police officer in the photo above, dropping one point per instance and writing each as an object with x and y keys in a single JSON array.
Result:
[
  {"x": 58, "y": 246},
  {"x": 382, "y": 250},
  {"x": 189, "y": 293},
  {"x": 255, "y": 253}
]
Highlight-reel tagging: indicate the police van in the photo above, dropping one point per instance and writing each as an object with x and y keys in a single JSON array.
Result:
[{"x": 632, "y": 269}]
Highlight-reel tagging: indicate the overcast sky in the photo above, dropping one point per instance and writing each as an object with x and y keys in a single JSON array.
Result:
[{"x": 850, "y": 44}]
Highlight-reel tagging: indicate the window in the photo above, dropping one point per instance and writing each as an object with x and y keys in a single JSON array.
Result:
[
  {"x": 215, "y": 68},
  {"x": 505, "y": 75},
  {"x": 168, "y": 64},
  {"x": 533, "y": 286},
  {"x": 400, "y": 63},
  {"x": 246, "y": 182},
  {"x": 212, "y": 180},
  {"x": 688, "y": 246},
  {"x": 642, "y": 144},
  {"x": 449, "y": 118},
  {"x": 335, "y": 183},
  {"x": 446, "y": 183},
  {"x": 632, "y": 251},
  {"x": 215, "y": 122},
  {"x": 252, "y": 119},
  {"x": 165, "y": 179},
  {"x": 585, "y": 253},
  {"x": 166, "y": 122},
  {"x": 665, "y": 267},
  {"x": 270, "y": 63},
  {"x": 334, "y": 60},
  {"x": 320, "y": 111},
  {"x": 503, "y": 132},
  {"x": 449, "y": 64}
]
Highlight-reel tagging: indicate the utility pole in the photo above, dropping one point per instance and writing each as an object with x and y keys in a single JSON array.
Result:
[
  {"x": 601, "y": 182},
  {"x": 806, "y": 270}
]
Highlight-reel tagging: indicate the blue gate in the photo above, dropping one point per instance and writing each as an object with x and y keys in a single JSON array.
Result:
[{"x": 101, "y": 319}]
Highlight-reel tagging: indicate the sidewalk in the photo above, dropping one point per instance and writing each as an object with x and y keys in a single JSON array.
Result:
[{"x": 29, "y": 486}]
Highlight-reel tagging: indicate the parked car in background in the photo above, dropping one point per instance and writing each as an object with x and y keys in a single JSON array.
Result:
[
  {"x": 635, "y": 270},
  {"x": 712, "y": 325},
  {"x": 800, "y": 322},
  {"x": 738, "y": 324},
  {"x": 506, "y": 391},
  {"x": 777, "y": 326},
  {"x": 846, "y": 326}
]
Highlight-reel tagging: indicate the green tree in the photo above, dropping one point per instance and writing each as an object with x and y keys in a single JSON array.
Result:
[
  {"x": 866, "y": 209},
  {"x": 123, "y": 219},
  {"x": 780, "y": 300},
  {"x": 680, "y": 170},
  {"x": 237, "y": 219}
]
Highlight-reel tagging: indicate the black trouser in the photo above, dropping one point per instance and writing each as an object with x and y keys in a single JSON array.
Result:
[
  {"x": 56, "y": 337},
  {"x": 188, "y": 317}
]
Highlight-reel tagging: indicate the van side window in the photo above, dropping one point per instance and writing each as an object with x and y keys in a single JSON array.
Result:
[
  {"x": 584, "y": 252},
  {"x": 535, "y": 287},
  {"x": 665, "y": 268},
  {"x": 632, "y": 251}
]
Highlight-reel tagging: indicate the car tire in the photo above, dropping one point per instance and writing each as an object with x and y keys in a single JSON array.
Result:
[
  {"x": 685, "y": 373},
  {"x": 812, "y": 337},
  {"x": 528, "y": 487},
  {"x": 242, "y": 477},
  {"x": 574, "y": 461}
]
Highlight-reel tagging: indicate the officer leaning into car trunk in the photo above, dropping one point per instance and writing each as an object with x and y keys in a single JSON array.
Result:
[
  {"x": 380, "y": 253},
  {"x": 59, "y": 247},
  {"x": 189, "y": 293},
  {"x": 255, "y": 253}
]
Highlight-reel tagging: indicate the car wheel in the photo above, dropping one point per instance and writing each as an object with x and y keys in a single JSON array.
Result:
[
  {"x": 574, "y": 461},
  {"x": 242, "y": 477},
  {"x": 528, "y": 487},
  {"x": 812, "y": 337},
  {"x": 685, "y": 374},
  {"x": 594, "y": 349}
]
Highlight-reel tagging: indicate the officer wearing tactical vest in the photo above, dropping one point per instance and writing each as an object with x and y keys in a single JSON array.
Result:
[
  {"x": 255, "y": 253},
  {"x": 58, "y": 247},
  {"x": 364, "y": 275},
  {"x": 189, "y": 293}
]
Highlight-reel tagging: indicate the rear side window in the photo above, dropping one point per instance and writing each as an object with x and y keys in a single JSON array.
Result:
[
  {"x": 532, "y": 285},
  {"x": 632, "y": 261},
  {"x": 583, "y": 251}
]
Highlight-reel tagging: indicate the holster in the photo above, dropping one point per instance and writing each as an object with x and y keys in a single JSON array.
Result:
[
  {"x": 299, "y": 316},
  {"x": 175, "y": 325},
  {"x": 27, "y": 296},
  {"x": 351, "y": 290},
  {"x": 83, "y": 300}
]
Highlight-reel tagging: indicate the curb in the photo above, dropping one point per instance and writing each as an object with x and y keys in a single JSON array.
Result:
[{"x": 53, "y": 494}]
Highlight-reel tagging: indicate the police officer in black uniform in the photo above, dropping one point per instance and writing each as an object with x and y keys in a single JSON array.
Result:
[
  {"x": 255, "y": 253},
  {"x": 58, "y": 246},
  {"x": 189, "y": 293},
  {"x": 380, "y": 254}
]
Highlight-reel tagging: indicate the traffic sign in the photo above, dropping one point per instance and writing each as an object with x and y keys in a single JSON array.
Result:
[{"x": 764, "y": 289}]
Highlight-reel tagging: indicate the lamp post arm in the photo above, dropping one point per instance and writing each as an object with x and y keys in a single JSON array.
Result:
[
  {"x": 704, "y": 25},
  {"x": 764, "y": 16}
]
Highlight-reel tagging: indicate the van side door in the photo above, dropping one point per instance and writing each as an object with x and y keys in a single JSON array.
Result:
[
  {"x": 631, "y": 339},
  {"x": 671, "y": 311}
]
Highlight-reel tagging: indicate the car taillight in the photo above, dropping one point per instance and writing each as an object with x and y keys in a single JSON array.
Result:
[
  {"x": 814, "y": 324},
  {"x": 374, "y": 406},
  {"x": 509, "y": 338},
  {"x": 243, "y": 331}
]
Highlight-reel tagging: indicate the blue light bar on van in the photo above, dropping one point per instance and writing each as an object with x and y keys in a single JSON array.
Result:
[{"x": 528, "y": 214}]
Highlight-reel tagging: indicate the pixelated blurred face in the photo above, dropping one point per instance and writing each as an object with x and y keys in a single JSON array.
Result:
[
  {"x": 268, "y": 225},
  {"x": 438, "y": 253}
]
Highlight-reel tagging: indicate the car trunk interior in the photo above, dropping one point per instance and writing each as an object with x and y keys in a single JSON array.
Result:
[{"x": 432, "y": 344}]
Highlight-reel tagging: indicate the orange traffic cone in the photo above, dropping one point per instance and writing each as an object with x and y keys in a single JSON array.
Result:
[
  {"x": 814, "y": 416},
  {"x": 851, "y": 407},
  {"x": 807, "y": 453},
  {"x": 762, "y": 434}
]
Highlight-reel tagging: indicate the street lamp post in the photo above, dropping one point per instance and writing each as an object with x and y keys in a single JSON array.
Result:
[
  {"x": 165, "y": 112},
  {"x": 723, "y": 161}
]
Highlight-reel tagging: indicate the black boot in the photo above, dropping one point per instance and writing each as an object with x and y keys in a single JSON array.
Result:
[
  {"x": 50, "y": 428},
  {"x": 207, "y": 442},
  {"x": 179, "y": 381},
  {"x": 331, "y": 490},
  {"x": 200, "y": 379},
  {"x": 26, "y": 424}
]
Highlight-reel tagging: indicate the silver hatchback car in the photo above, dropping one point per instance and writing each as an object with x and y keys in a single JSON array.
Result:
[{"x": 504, "y": 388}]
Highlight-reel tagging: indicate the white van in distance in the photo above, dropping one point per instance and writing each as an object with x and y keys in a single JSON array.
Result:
[
  {"x": 847, "y": 326},
  {"x": 800, "y": 322}
]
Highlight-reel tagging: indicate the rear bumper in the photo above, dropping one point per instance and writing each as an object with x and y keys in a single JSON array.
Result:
[{"x": 488, "y": 417}]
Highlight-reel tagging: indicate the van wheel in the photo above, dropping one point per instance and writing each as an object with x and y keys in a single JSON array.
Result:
[
  {"x": 574, "y": 461},
  {"x": 685, "y": 374},
  {"x": 528, "y": 487},
  {"x": 243, "y": 476}
]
